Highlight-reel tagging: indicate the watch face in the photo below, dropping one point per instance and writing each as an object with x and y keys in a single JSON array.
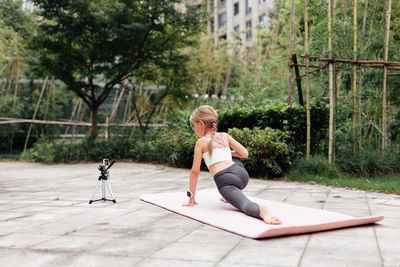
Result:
[{"x": 189, "y": 194}]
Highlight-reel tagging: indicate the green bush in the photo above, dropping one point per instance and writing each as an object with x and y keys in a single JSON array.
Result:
[
  {"x": 44, "y": 151},
  {"x": 394, "y": 129},
  {"x": 179, "y": 146},
  {"x": 369, "y": 163},
  {"x": 315, "y": 166},
  {"x": 282, "y": 117},
  {"x": 269, "y": 154}
]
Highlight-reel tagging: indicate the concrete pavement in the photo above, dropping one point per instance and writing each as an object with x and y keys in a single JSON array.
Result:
[{"x": 45, "y": 220}]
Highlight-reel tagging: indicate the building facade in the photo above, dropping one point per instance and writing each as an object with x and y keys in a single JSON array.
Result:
[{"x": 238, "y": 17}]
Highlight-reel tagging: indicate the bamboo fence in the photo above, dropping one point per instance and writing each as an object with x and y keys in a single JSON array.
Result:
[{"x": 385, "y": 64}]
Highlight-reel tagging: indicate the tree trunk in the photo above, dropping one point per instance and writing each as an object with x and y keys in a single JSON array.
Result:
[
  {"x": 93, "y": 132},
  {"x": 386, "y": 52},
  {"x": 292, "y": 19}
]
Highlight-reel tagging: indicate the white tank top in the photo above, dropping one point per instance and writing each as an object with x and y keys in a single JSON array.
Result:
[{"x": 221, "y": 152}]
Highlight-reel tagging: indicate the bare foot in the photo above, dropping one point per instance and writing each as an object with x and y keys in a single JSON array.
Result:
[
  {"x": 223, "y": 200},
  {"x": 264, "y": 213}
]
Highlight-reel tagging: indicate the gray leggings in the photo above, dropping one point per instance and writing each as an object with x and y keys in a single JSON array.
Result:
[{"x": 230, "y": 183}]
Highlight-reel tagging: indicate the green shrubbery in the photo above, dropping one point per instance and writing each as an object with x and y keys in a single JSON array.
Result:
[
  {"x": 315, "y": 166},
  {"x": 269, "y": 154},
  {"x": 370, "y": 163},
  {"x": 282, "y": 117},
  {"x": 272, "y": 149},
  {"x": 365, "y": 164}
]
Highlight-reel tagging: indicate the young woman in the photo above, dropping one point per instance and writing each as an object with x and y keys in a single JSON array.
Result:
[{"x": 229, "y": 176}]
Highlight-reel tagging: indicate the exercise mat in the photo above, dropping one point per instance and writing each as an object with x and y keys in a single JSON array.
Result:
[{"x": 295, "y": 219}]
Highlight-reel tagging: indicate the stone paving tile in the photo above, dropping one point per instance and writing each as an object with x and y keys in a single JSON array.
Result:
[
  {"x": 388, "y": 240},
  {"x": 49, "y": 223},
  {"x": 70, "y": 243},
  {"x": 357, "y": 250},
  {"x": 221, "y": 264},
  {"x": 263, "y": 254},
  {"x": 30, "y": 258},
  {"x": 99, "y": 260},
  {"x": 202, "y": 235},
  {"x": 154, "y": 262},
  {"x": 16, "y": 226},
  {"x": 131, "y": 247},
  {"x": 23, "y": 240},
  {"x": 195, "y": 251},
  {"x": 322, "y": 259}
]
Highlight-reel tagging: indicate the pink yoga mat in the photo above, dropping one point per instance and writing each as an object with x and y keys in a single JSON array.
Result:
[{"x": 295, "y": 219}]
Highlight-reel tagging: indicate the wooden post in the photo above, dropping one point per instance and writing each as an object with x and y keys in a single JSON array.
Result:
[
  {"x": 34, "y": 114},
  {"x": 354, "y": 79},
  {"x": 114, "y": 112},
  {"x": 48, "y": 100},
  {"x": 73, "y": 114},
  {"x": 386, "y": 53},
  {"x": 331, "y": 92},
  {"x": 48, "y": 97},
  {"x": 292, "y": 17},
  {"x": 308, "y": 143},
  {"x": 127, "y": 106},
  {"x": 106, "y": 131},
  {"x": 298, "y": 79}
]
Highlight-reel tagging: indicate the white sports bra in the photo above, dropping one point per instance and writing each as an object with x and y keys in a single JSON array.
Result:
[{"x": 221, "y": 150}]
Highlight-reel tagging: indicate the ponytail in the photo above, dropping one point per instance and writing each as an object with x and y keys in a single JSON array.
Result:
[{"x": 210, "y": 146}]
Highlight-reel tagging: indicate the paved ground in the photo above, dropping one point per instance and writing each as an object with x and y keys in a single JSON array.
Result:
[{"x": 45, "y": 220}]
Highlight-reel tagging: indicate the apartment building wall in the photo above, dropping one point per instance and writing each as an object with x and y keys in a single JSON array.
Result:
[{"x": 240, "y": 16}]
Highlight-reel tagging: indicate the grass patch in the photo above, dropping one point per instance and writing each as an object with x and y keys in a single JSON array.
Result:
[
  {"x": 10, "y": 156},
  {"x": 316, "y": 170},
  {"x": 385, "y": 184}
]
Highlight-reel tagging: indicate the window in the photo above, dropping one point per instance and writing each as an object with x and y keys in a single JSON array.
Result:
[
  {"x": 262, "y": 1},
  {"x": 248, "y": 29},
  {"x": 236, "y": 8},
  {"x": 237, "y": 29},
  {"x": 222, "y": 3},
  {"x": 222, "y": 20},
  {"x": 212, "y": 25},
  {"x": 249, "y": 5},
  {"x": 222, "y": 37},
  {"x": 263, "y": 20}
]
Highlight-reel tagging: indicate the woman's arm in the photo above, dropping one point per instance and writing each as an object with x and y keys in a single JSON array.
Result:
[
  {"x": 195, "y": 171},
  {"x": 239, "y": 150}
]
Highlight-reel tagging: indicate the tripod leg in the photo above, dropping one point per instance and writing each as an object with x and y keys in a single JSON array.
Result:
[
  {"x": 112, "y": 195},
  {"x": 103, "y": 189},
  {"x": 94, "y": 192}
]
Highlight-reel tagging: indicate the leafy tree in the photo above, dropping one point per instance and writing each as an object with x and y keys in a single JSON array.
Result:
[{"x": 82, "y": 42}]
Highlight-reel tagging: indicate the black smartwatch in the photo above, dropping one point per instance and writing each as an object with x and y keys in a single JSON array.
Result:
[{"x": 189, "y": 194}]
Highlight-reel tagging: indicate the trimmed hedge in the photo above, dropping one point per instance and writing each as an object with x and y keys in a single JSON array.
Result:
[
  {"x": 291, "y": 118},
  {"x": 269, "y": 153}
]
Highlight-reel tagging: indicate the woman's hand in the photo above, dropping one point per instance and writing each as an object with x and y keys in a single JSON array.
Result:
[{"x": 191, "y": 203}]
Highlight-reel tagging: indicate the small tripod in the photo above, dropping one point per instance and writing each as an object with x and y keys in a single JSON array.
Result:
[{"x": 105, "y": 174}]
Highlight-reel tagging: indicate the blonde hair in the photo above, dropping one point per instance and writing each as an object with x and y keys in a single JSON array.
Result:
[{"x": 209, "y": 117}]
